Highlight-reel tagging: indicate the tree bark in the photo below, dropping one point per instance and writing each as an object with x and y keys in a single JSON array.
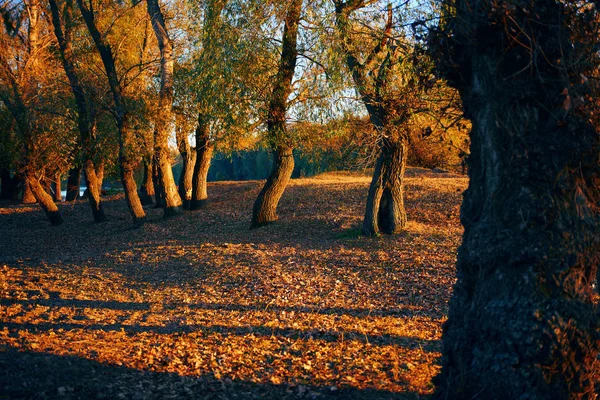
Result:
[
  {"x": 186, "y": 184},
  {"x": 164, "y": 120},
  {"x": 522, "y": 322},
  {"x": 57, "y": 188},
  {"x": 44, "y": 199},
  {"x": 204, "y": 152},
  {"x": 28, "y": 197},
  {"x": 73, "y": 180},
  {"x": 127, "y": 161},
  {"x": 147, "y": 188},
  {"x": 93, "y": 178},
  {"x": 385, "y": 203},
  {"x": 265, "y": 206},
  {"x": 159, "y": 194}
]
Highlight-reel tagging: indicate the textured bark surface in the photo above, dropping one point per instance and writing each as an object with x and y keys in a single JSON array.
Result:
[
  {"x": 73, "y": 184},
  {"x": 28, "y": 197},
  {"x": 164, "y": 118},
  {"x": 385, "y": 211},
  {"x": 44, "y": 199},
  {"x": 127, "y": 163},
  {"x": 56, "y": 187},
  {"x": 204, "y": 153},
  {"x": 93, "y": 178},
  {"x": 265, "y": 206},
  {"x": 522, "y": 324},
  {"x": 147, "y": 187},
  {"x": 186, "y": 184}
]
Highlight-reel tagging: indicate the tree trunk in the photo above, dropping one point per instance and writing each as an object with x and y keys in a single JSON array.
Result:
[
  {"x": 44, "y": 200},
  {"x": 73, "y": 180},
  {"x": 147, "y": 188},
  {"x": 8, "y": 190},
  {"x": 28, "y": 197},
  {"x": 57, "y": 188},
  {"x": 265, "y": 206},
  {"x": 188, "y": 159},
  {"x": 385, "y": 203},
  {"x": 522, "y": 322},
  {"x": 204, "y": 152},
  {"x": 164, "y": 120},
  {"x": 93, "y": 180},
  {"x": 159, "y": 195}
]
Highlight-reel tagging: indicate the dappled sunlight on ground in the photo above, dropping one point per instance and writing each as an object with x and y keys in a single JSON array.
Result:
[{"x": 201, "y": 305}]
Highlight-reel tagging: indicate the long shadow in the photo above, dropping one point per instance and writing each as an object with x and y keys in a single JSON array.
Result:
[
  {"x": 330, "y": 336},
  {"x": 29, "y": 375}
]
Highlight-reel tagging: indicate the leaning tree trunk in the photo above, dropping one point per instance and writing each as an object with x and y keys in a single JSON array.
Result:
[
  {"x": 204, "y": 152},
  {"x": 265, "y": 206},
  {"x": 73, "y": 184},
  {"x": 44, "y": 199},
  {"x": 522, "y": 321},
  {"x": 385, "y": 203},
  {"x": 147, "y": 188}
]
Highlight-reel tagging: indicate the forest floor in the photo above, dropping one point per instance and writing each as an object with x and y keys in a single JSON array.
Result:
[{"x": 201, "y": 307}]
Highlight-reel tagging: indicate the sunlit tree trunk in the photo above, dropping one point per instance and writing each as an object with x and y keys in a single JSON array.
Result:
[
  {"x": 164, "y": 120},
  {"x": 188, "y": 159},
  {"x": 385, "y": 202},
  {"x": 522, "y": 321},
  {"x": 28, "y": 197},
  {"x": 73, "y": 184},
  {"x": 204, "y": 153},
  {"x": 265, "y": 206},
  {"x": 44, "y": 199}
]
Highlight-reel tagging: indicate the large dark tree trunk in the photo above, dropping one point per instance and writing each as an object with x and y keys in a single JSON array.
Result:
[
  {"x": 73, "y": 184},
  {"x": 265, "y": 206},
  {"x": 93, "y": 178},
  {"x": 147, "y": 187},
  {"x": 385, "y": 203},
  {"x": 164, "y": 119},
  {"x": 204, "y": 152},
  {"x": 44, "y": 199},
  {"x": 522, "y": 323}
]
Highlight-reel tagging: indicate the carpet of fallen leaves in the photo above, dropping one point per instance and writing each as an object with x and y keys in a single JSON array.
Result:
[{"x": 200, "y": 306}]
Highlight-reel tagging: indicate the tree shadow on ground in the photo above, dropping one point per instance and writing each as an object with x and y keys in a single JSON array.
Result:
[{"x": 31, "y": 375}]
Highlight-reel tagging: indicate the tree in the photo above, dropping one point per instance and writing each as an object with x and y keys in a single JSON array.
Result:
[
  {"x": 522, "y": 323},
  {"x": 23, "y": 53},
  {"x": 265, "y": 206},
  {"x": 121, "y": 114},
  {"x": 164, "y": 117},
  {"x": 93, "y": 174},
  {"x": 386, "y": 81}
]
